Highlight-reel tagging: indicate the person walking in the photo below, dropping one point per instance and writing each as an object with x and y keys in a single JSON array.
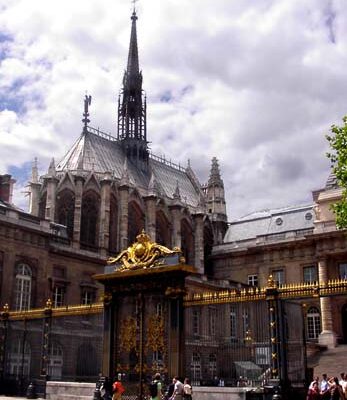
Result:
[
  {"x": 178, "y": 389},
  {"x": 313, "y": 392},
  {"x": 336, "y": 392},
  {"x": 118, "y": 389},
  {"x": 324, "y": 388},
  {"x": 187, "y": 389},
  {"x": 155, "y": 387},
  {"x": 107, "y": 388}
]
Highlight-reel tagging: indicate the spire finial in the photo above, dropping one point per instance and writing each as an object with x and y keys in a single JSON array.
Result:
[
  {"x": 87, "y": 103},
  {"x": 134, "y": 7}
]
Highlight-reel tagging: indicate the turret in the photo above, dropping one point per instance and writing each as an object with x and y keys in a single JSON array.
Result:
[
  {"x": 215, "y": 202},
  {"x": 34, "y": 189}
]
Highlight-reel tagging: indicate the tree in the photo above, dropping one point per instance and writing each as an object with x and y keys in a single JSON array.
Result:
[{"x": 338, "y": 157}]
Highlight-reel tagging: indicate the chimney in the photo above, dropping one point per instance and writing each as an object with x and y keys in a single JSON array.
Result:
[{"x": 6, "y": 188}]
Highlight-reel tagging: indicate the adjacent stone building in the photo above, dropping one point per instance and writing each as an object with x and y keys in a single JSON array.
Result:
[{"x": 293, "y": 244}]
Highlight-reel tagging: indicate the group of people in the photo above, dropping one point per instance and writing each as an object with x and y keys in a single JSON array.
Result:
[
  {"x": 175, "y": 391},
  {"x": 112, "y": 390},
  {"x": 328, "y": 388}
]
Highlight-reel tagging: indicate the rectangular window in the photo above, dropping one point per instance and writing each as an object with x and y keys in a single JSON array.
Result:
[
  {"x": 23, "y": 290},
  {"x": 245, "y": 322},
  {"x": 196, "y": 322},
  {"x": 343, "y": 271},
  {"x": 58, "y": 296},
  {"x": 278, "y": 276},
  {"x": 233, "y": 322},
  {"x": 310, "y": 274},
  {"x": 88, "y": 296},
  {"x": 253, "y": 280},
  {"x": 212, "y": 320}
]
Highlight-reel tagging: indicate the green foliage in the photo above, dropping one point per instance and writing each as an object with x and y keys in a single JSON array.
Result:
[{"x": 338, "y": 157}]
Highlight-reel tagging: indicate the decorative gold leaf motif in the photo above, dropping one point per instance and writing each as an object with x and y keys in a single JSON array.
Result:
[
  {"x": 155, "y": 334},
  {"x": 142, "y": 254},
  {"x": 128, "y": 334}
]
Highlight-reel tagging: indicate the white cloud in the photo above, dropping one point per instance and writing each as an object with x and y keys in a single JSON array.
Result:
[{"x": 256, "y": 84}]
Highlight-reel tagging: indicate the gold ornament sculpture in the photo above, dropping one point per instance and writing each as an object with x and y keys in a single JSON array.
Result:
[{"x": 142, "y": 254}]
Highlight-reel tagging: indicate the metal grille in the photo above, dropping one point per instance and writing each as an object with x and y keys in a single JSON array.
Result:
[{"x": 227, "y": 344}]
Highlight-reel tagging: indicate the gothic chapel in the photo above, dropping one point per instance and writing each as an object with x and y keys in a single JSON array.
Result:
[{"x": 107, "y": 189}]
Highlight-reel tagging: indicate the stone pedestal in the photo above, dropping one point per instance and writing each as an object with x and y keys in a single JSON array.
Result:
[{"x": 327, "y": 338}]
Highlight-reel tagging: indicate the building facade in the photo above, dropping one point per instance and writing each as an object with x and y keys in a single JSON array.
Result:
[
  {"x": 107, "y": 189},
  {"x": 293, "y": 244}
]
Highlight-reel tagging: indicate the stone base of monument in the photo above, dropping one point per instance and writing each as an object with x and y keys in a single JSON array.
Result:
[
  {"x": 56, "y": 390},
  {"x": 85, "y": 391}
]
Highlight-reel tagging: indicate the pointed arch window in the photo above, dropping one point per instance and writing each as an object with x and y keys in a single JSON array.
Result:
[
  {"x": 187, "y": 244},
  {"x": 90, "y": 220},
  {"x": 313, "y": 323},
  {"x": 65, "y": 210},
  {"x": 136, "y": 222},
  {"x": 208, "y": 243},
  {"x": 113, "y": 228},
  {"x": 162, "y": 235},
  {"x": 23, "y": 283}
]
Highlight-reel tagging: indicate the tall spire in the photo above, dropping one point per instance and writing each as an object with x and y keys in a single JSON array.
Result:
[
  {"x": 133, "y": 56},
  {"x": 132, "y": 107}
]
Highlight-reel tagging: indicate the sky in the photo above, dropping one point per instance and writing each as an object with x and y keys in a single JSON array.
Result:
[{"x": 255, "y": 83}]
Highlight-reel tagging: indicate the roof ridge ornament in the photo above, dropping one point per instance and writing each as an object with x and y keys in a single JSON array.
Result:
[
  {"x": 86, "y": 120},
  {"x": 177, "y": 194}
]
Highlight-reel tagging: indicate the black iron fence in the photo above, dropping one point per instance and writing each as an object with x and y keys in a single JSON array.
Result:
[{"x": 228, "y": 344}]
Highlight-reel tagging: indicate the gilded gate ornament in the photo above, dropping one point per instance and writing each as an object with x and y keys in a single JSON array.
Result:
[
  {"x": 155, "y": 334},
  {"x": 128, "y": 334},
  {"x": 142, "y": 254}
]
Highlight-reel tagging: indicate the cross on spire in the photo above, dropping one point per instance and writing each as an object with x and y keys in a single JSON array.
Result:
[{"x": 134, "y": 5}]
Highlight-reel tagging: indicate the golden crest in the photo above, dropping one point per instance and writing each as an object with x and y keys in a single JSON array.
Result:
[{"x": 142, "y": 254}]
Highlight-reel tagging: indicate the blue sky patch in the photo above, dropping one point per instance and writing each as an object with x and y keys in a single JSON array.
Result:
[
  {"x": 22, "y": 173},
  {"x": 4, "y": 41},
  {"x": 166, "y": 97}
]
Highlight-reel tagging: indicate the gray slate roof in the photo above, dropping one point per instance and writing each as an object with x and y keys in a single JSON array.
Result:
[
  {"x": 94, "y": 152},
  {"x": 270, "y": 222}
]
